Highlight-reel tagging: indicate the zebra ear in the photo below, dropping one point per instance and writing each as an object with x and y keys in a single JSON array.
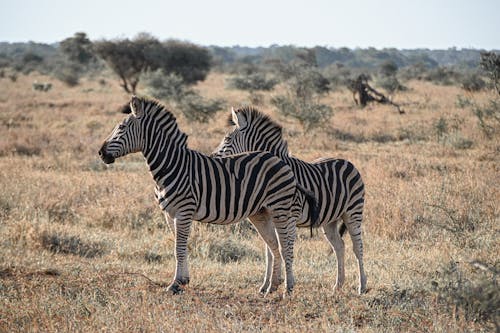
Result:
[
  {"x": 238, "y": 118},
  {"x": 136, "y": 107}
]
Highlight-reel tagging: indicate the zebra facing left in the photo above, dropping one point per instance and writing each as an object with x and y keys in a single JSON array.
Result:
[{"x": 192, "y": 186}]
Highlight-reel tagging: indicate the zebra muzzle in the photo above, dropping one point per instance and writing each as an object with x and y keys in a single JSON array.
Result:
[{"x": 105, "y": 156}]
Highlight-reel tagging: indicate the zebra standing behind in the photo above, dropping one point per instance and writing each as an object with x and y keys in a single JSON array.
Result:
[
  {"x": 192, "y": 186},
  {"x": 335, "y": 183}
]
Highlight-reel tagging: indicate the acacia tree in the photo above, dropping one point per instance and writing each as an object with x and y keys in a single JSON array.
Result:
[
  {"x": 78, "y": 49},
  {"x": 130, "y": 58},
  {"x": 79, "y": 58}
]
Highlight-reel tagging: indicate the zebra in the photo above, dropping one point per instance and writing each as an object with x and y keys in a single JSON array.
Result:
[
  {"x": 335, "y": 183},
  {"x": 193, "y": 186}
]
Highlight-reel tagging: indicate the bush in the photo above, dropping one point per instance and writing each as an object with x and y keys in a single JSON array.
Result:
[
  {"x": 442, "y": 75},
  {"x": 196, "y": 108},
  {"x": 489, "y": 118},
  {"x": 391, "y": 84},
  {"x": 164, "y": 86},
  {"x": 305, "y": 86},
  {"x": 252, "y": 82},
  {"x": 490, "y": 62},
  {"x": 68, "y": 74},
  {"x": 171, "y": 87},
  {"x": 473, "y": 82},
  {"x": 309, "y": 115}
]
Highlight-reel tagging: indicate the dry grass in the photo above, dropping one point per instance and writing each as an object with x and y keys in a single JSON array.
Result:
[{"x": 84, "y": 248}]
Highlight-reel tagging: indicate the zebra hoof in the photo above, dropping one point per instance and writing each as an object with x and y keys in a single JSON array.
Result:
[
  {"x": 362, "y": 290},
  {"x": 264, "y": 288},
  {"x": 271, "y": 290},
  {"x": 175, "y": 289}
]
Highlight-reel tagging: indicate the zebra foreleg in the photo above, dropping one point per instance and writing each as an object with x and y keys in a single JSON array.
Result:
[
  {"x": 266, "y": 230},
  {"x": 337, "y": 243},
  {"x": 182, "y": 229}
]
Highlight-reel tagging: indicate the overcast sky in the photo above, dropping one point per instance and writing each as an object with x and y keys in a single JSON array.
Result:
[{"x": 435, "y": 24}]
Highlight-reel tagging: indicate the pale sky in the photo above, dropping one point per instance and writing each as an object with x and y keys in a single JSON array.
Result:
[{"x": 435, "y": 24}]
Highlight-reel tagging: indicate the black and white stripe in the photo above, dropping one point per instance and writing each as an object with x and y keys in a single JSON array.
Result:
[
  {"x": 336, "y": 183},
  {"x": 192, "y": 186}
]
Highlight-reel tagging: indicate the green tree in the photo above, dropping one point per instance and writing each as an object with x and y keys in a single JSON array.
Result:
[
  {"x": 131, "y": 58},
  {"x": 189, "y": 61},
  {"x": 79, "y": 49}
]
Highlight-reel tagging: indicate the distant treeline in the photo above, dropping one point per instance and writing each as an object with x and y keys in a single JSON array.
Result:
[
  {"x": 353, "y": 58},
  {"x": 368, "y": 58},
  {"x": 252, "y": 68}
]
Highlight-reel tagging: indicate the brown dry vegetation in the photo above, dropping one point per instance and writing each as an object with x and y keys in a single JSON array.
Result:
[{"x": 83, "y": 246}]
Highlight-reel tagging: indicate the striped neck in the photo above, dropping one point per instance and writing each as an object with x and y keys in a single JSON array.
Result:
[{"x": 165, "y": 146}]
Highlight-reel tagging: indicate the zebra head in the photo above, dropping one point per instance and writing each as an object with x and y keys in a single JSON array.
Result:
[
  {"x": 126, "y": 137},
  {"x": 253, "y": 131}
]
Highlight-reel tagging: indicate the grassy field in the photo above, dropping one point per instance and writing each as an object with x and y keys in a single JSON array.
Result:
[{"x": 83, "y": 247}]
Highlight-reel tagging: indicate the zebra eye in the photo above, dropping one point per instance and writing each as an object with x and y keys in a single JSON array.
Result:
[
  {"x": 227, "y": 139},
  {"x": 121, "y": 127}
]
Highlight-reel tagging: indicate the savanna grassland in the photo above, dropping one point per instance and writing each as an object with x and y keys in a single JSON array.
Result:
[{"x": 83, "y": 246}]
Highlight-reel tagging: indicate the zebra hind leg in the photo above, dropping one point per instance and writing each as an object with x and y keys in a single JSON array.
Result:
[
  {"x": 286, "y": 232},
  {"x": 265, "y": 228},
  {"x": 353, "y": 223},
  {"x": 333, "y": 236}
]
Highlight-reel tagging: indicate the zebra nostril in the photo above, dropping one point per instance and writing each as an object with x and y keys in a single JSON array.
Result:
[{"x": 101, "y": 151}]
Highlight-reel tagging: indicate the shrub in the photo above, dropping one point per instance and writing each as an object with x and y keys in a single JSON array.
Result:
[
  {"x": 442, "y": 75},
  {"x": 196, "y": 108},
  {"x": 489, "y": 118},
  {"x": 473, "y": 82},
  {"x": 171, "y": 87},
  {"x": 305, "y": 86},
  {"x": 165, "y": 86},
  {"x": 390, "y": 84},
  {"x": 68, "y": 74},
  {"x": 463, "y": 102},
  {"x": 252, "y": 82},
  {"x": 309, "y": 115},
  {"x": 490, "y": 62}
]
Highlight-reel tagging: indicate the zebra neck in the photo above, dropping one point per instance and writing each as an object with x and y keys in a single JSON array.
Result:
[
  {"x": 281, "y": 150},
  {"x": 167, "y": 162}
]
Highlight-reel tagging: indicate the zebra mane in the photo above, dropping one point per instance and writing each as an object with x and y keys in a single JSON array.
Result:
[
  {"x": 256, "y": 118},
  {"x": 253, "y": 115},
  {"x": 158, "y": 111}
]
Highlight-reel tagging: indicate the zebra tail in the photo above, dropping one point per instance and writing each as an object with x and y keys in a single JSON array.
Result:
[{"x": 313, "y": 207}]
